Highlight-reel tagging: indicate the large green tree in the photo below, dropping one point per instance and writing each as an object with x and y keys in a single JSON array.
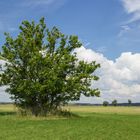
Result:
[{"x": 42, "y": 70}]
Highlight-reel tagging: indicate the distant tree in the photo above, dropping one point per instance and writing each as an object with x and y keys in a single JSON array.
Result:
[
  {"x": 0, "y": 67},
  {"x": 129, "y": 102},
  {"x": 114, "y": 102},
  {"x": 42, "y": 70},
  {"x": 105, "y": 103}
]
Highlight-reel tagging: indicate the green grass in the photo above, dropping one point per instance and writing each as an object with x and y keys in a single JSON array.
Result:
[{"x": 92, "y": 124}]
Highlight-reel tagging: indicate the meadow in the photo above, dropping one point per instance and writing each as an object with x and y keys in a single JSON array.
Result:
[{"x": 91, "y": 123}]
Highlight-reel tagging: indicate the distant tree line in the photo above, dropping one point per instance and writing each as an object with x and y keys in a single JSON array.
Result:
[{"x": 115, "y": 103}]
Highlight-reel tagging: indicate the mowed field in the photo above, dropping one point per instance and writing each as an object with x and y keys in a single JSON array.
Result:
[{"x": 91, "y": 123}]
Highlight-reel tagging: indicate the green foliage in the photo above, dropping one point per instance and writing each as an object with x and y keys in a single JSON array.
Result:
[
  {"x": 105, "y": 103},
  {"x": 114, "y": 102},
  {"x": 129, "y": 102},
  {"x": 42, "y": 70}
]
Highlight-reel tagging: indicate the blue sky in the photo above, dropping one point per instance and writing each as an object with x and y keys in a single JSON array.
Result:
[
  {"x": 98, "y": 23},
  {"x": 108, "y": 29}
]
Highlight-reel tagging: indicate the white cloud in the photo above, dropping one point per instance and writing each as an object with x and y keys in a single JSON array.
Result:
[
  {"x": 119, "y": 79},
  {"x": 102, "y": 49},
  {"x": 4, "y": 97},
  {"x": 124, "y": 29},
  {"x": 132, "y": 7}
]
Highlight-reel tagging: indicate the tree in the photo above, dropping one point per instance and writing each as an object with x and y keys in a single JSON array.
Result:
[
  {"x": 0, "y": 67},
  {"x": 114, "y": 102},
  {"x": 129, "y": 102},
  {"x": 105, "y": 103},
  {"x": 42, "y": 70}
]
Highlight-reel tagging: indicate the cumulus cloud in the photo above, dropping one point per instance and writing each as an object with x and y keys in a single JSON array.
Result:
[
  {"x": 4, "y": 97},
  {"x": 119, "y": 79},
  {"x": 132, "y": 7}
]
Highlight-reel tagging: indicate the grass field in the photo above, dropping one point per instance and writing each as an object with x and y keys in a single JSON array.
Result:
[{"x": 93, "y": 123}]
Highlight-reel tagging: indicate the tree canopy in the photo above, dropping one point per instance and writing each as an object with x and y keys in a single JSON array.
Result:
[
  {"x": 114, "y": 102},
  {"x": 105, "y": 103},
  {"x": 129, "y": 102},
  {"x": 42, "y": 71}
]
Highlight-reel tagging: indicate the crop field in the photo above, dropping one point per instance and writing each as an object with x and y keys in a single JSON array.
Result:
[{"x": 91, "y": 123}]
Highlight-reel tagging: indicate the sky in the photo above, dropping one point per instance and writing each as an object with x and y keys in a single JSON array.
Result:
[{"x": 108, "y": 29}]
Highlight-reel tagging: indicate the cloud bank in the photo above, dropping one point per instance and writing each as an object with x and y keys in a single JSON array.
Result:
[{"x": 119, "y": 79}]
